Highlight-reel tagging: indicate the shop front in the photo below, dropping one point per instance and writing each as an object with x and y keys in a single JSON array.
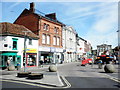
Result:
[
  {"x": 11, "y": 56},
  {"x": 31, "y": 57}
]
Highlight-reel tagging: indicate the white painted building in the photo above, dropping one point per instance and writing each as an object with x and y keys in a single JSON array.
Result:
[
  {"x": 80, "y": 47},
  {"x": 12, "y": 45},
  {"x": 69, "y": 44}
]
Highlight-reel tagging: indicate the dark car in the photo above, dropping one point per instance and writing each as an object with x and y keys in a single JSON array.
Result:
[{"x": 105, "y": 59}]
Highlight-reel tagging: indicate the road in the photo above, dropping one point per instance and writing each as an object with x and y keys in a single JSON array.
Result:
[
  {"x": 77, "y": 76},
  {"x": 9, "y": 84},
  {"x": 86, "y": 76}
]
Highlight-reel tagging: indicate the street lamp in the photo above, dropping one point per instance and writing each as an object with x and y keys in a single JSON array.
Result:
[{"x": 25, "y": 49}]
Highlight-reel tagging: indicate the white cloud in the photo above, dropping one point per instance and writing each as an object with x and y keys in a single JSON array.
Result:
[
  {"x": 15, "y": 4},
  {"x": 106, "y": 19},
  {"x": 105, "y": 26}
]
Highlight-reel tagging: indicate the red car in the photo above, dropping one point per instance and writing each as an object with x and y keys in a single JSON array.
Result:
[{"x": 86, "y": 61}]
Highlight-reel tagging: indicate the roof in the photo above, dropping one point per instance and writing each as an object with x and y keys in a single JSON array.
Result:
[
  {"x": 27, "y": 12},
  {"x": 17, "y": 30}
]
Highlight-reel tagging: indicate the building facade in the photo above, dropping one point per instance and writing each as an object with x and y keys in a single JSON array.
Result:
[
  {"x": 49, "y": 30},
  {"x": 69, "y": 44},
  {"x": 104, "y": 49},
  {"x": 88, "y": 49},
  {"x": 12, "y": 42},
  {"x": 80, "y": 48}
]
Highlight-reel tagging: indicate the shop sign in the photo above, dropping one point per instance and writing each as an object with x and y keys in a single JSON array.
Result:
[{"x": 31, "y": 50}]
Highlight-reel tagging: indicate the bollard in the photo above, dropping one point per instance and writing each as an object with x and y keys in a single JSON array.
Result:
[
  {"x": 11, "y": 68},
  {"x": 52, "y": 68},
  {"x": 109, "y": 68}
]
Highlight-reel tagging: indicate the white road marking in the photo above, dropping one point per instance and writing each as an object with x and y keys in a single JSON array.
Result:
[
  {"x": 113, "y": 78},
  {"x": 68, "y": 84},
  {"x": 38, "y": 85}
]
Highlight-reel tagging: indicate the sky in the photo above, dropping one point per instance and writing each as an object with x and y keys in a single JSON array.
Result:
[{"x": 96, "y": 22}]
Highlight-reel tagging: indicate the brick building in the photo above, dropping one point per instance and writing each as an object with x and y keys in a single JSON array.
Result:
[{"x": 49, "y": 30}]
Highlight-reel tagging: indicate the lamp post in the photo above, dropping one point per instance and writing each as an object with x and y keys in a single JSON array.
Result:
[{"x": 25, "y": 49}]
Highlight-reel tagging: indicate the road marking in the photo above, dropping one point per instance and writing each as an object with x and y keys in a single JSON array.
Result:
[
  {"x": 113, "y": 78},
  {"x": 38, "y": 85},
  {"x": 59, "y": 78},
  {"x": 68, "y": 84}
]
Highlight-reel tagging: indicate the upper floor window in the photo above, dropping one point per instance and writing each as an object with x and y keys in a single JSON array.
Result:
[
  {"x": 58, "y": 41},
  {"x": 54, "y": 40},
  {"x": 15, "y": 44},
  {"x": 46, "y": 27},
  {"x": 56, "y": 29},
  {"x": 43, "y": 39},
  {"x": 48, "y": 39},
  {"x": 30, "y": 41}
]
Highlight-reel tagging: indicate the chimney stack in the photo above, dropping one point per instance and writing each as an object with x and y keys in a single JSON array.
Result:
[{"x": 32, "y": 7}]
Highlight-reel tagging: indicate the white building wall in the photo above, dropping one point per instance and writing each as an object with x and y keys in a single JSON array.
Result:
[
  {"x": 80, "y": 47},
  {"x": 20, "y": 45},
  {"x": 69, "y": 44}
]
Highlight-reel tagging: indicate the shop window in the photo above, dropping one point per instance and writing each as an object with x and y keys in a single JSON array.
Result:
[
  {"x": 31, "y": 60},
  {"x": 30, "y": 41}
]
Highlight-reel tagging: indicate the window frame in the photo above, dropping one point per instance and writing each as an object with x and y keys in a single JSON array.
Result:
[
  {"x": 14, "y": 40},
  {"x": 30, "y": 42},
  {"x": 54, "y": 40},
  {"x": 48, "y": 39}
]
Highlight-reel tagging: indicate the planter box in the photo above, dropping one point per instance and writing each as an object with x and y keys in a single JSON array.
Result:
[
  {"x": 23, "y": 74},
  {"x": 35, "y": 76}
]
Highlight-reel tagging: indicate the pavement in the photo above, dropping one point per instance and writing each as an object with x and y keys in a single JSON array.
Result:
[{"x": 49, "y": 80}]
